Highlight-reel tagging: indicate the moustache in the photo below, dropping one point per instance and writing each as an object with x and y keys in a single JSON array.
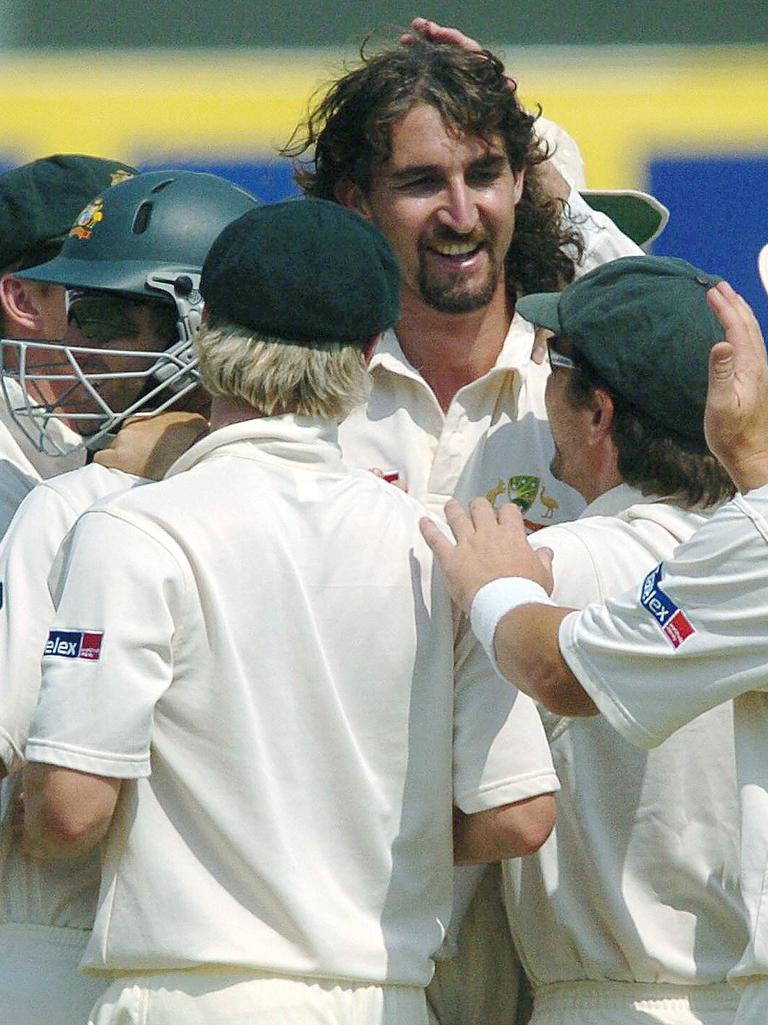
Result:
[{"x": 447, "y": 237}]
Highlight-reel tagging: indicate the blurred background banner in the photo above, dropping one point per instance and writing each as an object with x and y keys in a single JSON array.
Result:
[{"x": 679, "y": 108}]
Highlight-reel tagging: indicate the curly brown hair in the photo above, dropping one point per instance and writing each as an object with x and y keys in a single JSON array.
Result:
[{"x": 348, "y": 133}]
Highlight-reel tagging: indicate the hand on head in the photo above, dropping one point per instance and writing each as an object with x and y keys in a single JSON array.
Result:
[
  {"x": 440, "y": 34},
  {"x": 436, "y": 33},
  {"x": 549, "y": 176},
  {"x": 736, "y": 415}
]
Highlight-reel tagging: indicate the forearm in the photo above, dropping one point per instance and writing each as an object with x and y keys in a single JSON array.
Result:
[
  {"x": 528, "y": 654},
  {"x": 510, "y": 831}
]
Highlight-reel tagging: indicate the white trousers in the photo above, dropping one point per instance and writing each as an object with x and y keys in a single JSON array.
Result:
[
  {"x": 40, "y": 982},
  {"x": 479, "y": 984},
  {"x": 753, "y": 1005},
  {"x": 222, "y": 997},
  {"x": 628, "y": 1003}
]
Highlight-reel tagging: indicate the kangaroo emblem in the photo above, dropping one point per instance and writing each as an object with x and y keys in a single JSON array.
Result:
[
  {"x": 549, "y": 503},
  {"x": 494, "y": 493},
  {"x": 522, "y": 490}
]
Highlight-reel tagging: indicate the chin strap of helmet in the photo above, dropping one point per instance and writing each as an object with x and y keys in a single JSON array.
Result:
[{"x": 184, "y": 289}]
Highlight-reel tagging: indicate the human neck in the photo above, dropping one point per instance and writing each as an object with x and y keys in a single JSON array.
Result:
[
  {"x": 602, "y": 476},
  {"x": 451, "y": 350},
  {"x": 226, "y": 410}
]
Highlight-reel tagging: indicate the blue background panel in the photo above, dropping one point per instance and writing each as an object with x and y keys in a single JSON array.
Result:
[
  {"x": 270, "y": 180},
  {"x": 712, "y": 202}
]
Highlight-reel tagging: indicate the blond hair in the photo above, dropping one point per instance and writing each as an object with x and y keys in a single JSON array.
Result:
[{"x": 276, "y": 376}]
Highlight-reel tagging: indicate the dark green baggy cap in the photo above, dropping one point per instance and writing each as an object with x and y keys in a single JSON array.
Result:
[
  {"x": 644, "y": 325},
  {"x": 305, "y": 270},
  {"x": 39, "y": 201}
]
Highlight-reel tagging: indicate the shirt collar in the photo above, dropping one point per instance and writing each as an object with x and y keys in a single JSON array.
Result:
[
  {"x": 299, "y": 439},
  {"x": 515, "y": 352},
  {"x": 618, "y": 500},
  {"x": 390, "y": 356}
]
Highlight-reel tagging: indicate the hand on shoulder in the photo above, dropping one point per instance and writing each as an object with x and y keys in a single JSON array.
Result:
[{"x": 148, "y": 446}]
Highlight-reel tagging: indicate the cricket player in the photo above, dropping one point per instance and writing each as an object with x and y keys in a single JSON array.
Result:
[
  {"x": 457, "y": 407},
  {"x": 430, "y": 143},
  {"x": 115, "y": 307},
  {"x": 39, "y": 202},
  {"x": 688, "y": 638},
  {"x": 632, "y": 908},
  {"x": 247, "y": 640}
]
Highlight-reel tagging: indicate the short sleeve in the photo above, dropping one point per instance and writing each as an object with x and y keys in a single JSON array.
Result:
[
  {"x": 26, "y": 610},
  {"x": 501, "y": 753},
  {"x": 108, "y": 656},
  {"x": 576, "y": 575},
  {"x": 690, "y": 637},
  {"x": 16, "y": 485}
]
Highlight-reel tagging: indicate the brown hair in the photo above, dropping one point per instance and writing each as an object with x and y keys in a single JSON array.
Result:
[
  {"x": 349, "y": 130},
  {"x": 649, "y": 457}
]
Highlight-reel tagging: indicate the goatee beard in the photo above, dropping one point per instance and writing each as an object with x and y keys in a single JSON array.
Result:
[
  {"x": 454, "y": 298},
  {"x": 457, "y": 296}
]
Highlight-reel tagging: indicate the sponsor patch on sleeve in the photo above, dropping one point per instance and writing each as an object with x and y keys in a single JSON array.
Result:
[
  {"x": 85, "y": 644},
  {"x": 671, "y": 619}
]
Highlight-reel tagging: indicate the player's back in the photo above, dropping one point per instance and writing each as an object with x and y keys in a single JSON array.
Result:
[
  {"x": 296, "y": 656},
  {"x": 638, "y": 884}
]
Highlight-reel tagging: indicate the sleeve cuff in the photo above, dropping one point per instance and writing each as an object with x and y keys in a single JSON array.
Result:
[
  {"x": 606, "y": 702},
  {"x": 112, "y": 766},
  {"x": 508, "y": 792}
]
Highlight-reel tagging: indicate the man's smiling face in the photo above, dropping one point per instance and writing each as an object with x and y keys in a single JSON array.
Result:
[{"x": 446, "y": 203}]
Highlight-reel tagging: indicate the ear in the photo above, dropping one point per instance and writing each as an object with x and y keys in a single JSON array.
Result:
[
  {"x": 370, "y": 348},
  {"x": 19, "y": 307},
  {"x": 350, "y": 195},
  {"x": 602, "y": 414},
  {"x": 519, "y": 177}
]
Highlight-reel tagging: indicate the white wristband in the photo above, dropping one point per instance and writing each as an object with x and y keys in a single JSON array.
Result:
[{"x": 494, "y": 600}]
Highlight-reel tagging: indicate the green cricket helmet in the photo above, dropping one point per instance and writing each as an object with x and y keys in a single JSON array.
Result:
[
  {"x": 147, "y": 237},
  {"x": 144, "y": 239}
]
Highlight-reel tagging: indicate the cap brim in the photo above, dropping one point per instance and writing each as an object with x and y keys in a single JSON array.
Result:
[
  {"x": 541, "y": 309},
  {"x": 638, "y": 214},
  {"x": 118, "y": 276},
  {"x": 762, "y": 266}
]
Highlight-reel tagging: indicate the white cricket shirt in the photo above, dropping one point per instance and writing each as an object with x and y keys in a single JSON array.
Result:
[
  {"x": 22, "y": 465},
  {"x": 639, "y": 880},
  {"x": 52, "y": 893},
  {"x": 494, "y": 439},
  {"x": 692, "y": 636},
  {"x": 261, "y": 647}
]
